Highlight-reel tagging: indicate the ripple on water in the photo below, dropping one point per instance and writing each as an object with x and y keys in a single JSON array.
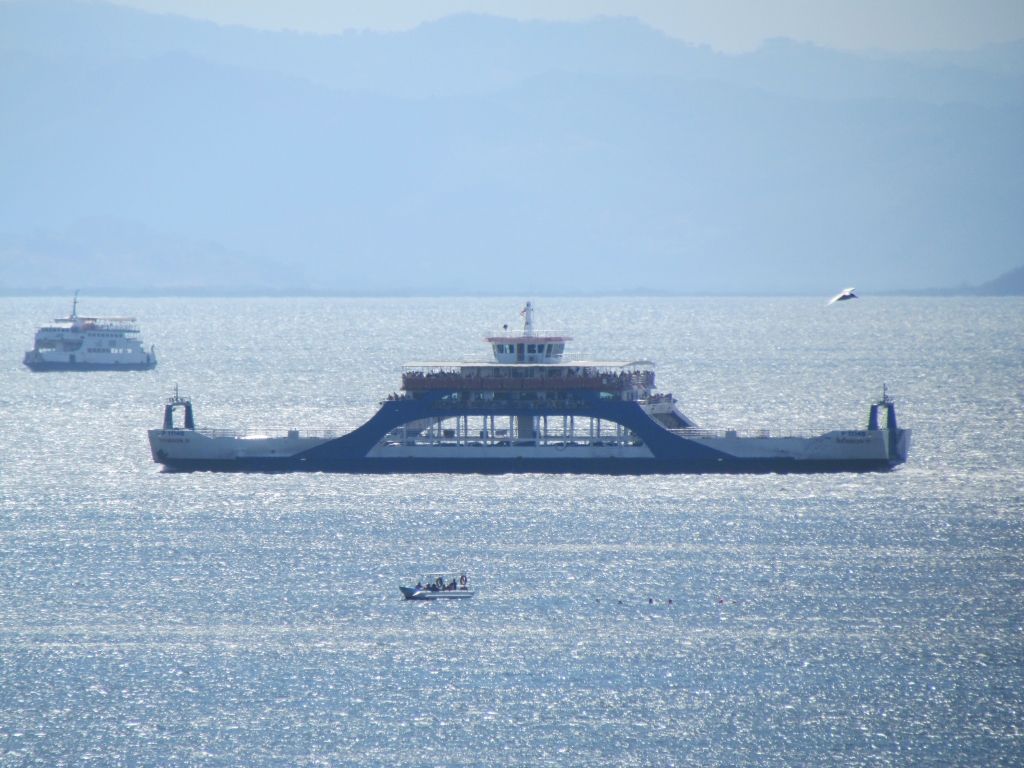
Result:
[{"x": 179, "y": 619}]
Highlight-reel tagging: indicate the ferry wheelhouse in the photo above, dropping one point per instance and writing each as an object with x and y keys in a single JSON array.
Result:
[
  {"x": 530, "y": 407},
  {"x": 79, "y": 343}
]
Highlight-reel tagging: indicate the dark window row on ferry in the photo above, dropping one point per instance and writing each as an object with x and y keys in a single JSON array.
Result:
[
  {"x": 531, "y": 349},
  {"x": 505, "y": 397}
]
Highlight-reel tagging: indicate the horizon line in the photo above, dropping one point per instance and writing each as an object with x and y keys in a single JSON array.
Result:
[{"x": 220, "y": 293}]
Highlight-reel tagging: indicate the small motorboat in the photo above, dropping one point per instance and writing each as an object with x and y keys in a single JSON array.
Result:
[{"x": 439, "y": 586}]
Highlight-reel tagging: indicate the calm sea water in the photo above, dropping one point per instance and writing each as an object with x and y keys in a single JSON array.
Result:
[{"x": 175, "y": 619}]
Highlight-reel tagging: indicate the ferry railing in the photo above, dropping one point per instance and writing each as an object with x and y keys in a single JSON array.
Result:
[
  {"x": 488, "y": 360},
  {"x": 116, "y": 327},
  {"x": 612, "y": 382},
  {"x": 243, "y": 433},
  {"x": 710, "y": 434},
  {"x": 521, "y": 335}
]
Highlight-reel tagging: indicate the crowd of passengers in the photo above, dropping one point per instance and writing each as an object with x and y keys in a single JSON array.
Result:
[
  {"x": 633, "y": 377},
  {"x": 438, "y": 585},
  {"x": 665, "y": 398}
]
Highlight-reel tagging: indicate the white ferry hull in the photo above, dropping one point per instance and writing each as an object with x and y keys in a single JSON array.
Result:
[{"x": 40, "y": 366}]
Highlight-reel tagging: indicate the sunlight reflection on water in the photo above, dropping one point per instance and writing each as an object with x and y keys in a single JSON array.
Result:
[{"x": 154, "y": 618}]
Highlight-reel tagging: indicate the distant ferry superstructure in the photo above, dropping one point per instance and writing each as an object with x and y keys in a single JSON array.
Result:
[
  {"x": 77, "y": 343},
  {"x": 529, "y": 408}
]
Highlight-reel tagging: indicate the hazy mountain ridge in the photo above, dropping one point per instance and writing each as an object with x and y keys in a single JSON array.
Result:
[
  {"x": 562, "y": 182},
  {"x": 1007, "y": 284},
  {"x": 469, "y": 54},
  {"x": 105, "y": 255}
]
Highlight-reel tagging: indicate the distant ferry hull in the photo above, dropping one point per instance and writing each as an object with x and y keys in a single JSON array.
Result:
[
  {"x": 43, "y": 365},
  {"x": 79, "y": 343}
]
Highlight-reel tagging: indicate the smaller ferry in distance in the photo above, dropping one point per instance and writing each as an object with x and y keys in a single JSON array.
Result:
[
  {"x": 529, "y": 407},
  {"x": 439, "y": 586},
  {"x": 79, "y": 343}
]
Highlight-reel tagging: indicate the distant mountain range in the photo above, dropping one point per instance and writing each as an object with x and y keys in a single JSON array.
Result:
[
  {"x": 469, "y": 54},
  {"x": 1007, "y": 284},
  {"x": 149, "y": 153}
]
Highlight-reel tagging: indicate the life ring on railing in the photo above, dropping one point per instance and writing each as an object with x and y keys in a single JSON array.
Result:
[{"x": 462, "y": 580}]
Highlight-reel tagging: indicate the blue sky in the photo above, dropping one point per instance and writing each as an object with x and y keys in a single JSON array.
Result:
[{"x": 727, "y": 25}]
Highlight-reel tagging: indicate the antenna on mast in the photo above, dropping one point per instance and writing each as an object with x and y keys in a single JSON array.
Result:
[{"x": 74, "y": 304}]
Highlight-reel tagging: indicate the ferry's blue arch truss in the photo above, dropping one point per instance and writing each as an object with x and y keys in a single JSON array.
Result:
[{"x": 672, "y": 453}]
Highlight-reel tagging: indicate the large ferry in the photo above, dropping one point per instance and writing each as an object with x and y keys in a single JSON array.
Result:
[
  {"x": 78, "y": 343},
  {"x": 529, "y": 407}
]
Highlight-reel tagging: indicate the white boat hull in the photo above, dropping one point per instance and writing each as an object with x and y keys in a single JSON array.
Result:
[{"x": 411, "y": 593}]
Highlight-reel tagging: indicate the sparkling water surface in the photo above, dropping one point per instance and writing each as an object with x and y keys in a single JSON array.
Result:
[{"x": 206, "y": 619}]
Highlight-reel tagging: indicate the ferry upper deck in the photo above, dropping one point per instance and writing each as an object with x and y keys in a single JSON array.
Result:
[
  {"x": 615, "y": 377},
  {"x": 530, "y": 360}
]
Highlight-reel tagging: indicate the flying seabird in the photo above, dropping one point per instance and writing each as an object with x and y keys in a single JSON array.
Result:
[{"x": 844, "y": 296}]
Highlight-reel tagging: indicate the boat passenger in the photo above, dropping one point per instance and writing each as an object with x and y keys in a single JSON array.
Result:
[{"x": 419, "y": 585}]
